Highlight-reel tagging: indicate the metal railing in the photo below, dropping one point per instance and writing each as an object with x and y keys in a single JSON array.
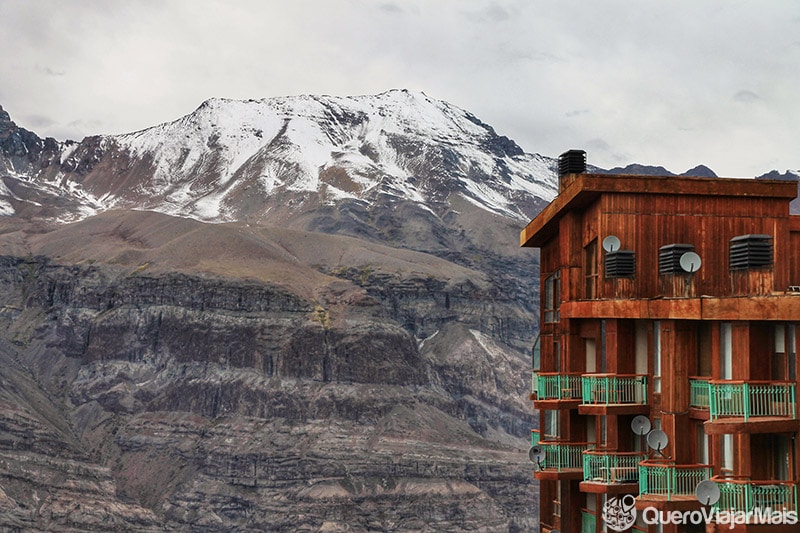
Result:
[
  {"x": 611, "y": 467},
  {"x": 751, "y": 399},
  {"x": 699, "y": 392},
  {"x": 535, "y": 437},
  {"x": 558, "y": 386},
  {"x": 614, "y": 389},
  {"x": 563, "y": 455},
  {"x": 739, "y": 494},
  {"x": 664, "y": 478}
]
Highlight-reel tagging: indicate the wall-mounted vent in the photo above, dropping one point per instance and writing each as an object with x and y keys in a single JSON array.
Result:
[
  {"x": 572, "y": 162},
  {"x": 669, "y": 258},
  {"x": 750, "y": 251},
  {"x": 620, "y": 264}
]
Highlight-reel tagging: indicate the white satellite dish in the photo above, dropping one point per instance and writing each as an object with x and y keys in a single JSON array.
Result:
[
  {"x": 537, "y": 454},
  {"x": 690, "y": 262},
  {"x": 640, "y": 425},
  {"x": 611, "y": 243},
  {"x": 657, "y": 440},
  {"x": 707, "y": 492}
]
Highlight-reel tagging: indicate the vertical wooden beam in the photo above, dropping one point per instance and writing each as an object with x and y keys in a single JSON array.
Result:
[
  {"x": 678, "y": 341},
  {"x": 740, "y": 358},
  {"x": 572, "y": 499}
]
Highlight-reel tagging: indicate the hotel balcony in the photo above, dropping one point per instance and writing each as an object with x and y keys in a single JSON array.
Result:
[
  {"x": 667, "y": 486},
  {"x": 741, "y": 494},
  {"x": 562, "y": 460},
  {"x": 553, "y": 390},
  {"x": 611, "y": 472},
  {"x": 698, "y": 397},
  {"x": 748, "y": 406},
  {"x": 613, "y": 394}
]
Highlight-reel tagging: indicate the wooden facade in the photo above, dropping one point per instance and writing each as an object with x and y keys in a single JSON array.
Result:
[{"x": 678, "y": 347}]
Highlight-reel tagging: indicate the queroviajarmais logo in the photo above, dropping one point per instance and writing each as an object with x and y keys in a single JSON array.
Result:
[{"x": 620, "y": 513}]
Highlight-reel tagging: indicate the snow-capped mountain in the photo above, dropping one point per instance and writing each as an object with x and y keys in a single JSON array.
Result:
[{"x": 241, "y": 160}]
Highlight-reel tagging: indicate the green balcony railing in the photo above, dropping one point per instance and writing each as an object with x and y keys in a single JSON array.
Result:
[
  {"x": 752, "y": 399},
  {"x": 558, "y": 386},
  {"x": 699, "y": 393},
  {"x": 663, "y": 478},
  {"x": 535, "y": 437},
  {"x": 588, "y": 521},
  {"x": 737, "y": 494},
  {"x": 611, "y": 467},
  {"x": 564, "y": 455},
  {"x": 614, "y": 389}
]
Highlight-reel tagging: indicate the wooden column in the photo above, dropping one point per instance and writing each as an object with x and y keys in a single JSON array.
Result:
[{"x": 678, "y": 347}]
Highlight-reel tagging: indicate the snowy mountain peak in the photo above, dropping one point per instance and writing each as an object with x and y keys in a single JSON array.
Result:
[
  {"x": 234, "y": 159},
  {"x": 398, "y": 143}
]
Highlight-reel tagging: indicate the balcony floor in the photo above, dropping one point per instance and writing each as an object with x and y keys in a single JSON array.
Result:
[
  {"x": 564, "y": 473},
  {"x": 678, "y": 502},
  {"x": 761, "y": 424},
  {"x": 601, "y": 409},
  {"x": 609, "y": 488},
  {"x": 556, "y": 404}
]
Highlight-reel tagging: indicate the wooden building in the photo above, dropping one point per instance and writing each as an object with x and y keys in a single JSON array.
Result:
[{"x": 705, "y": 349}]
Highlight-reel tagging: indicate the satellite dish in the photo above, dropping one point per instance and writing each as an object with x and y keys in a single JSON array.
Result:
[
  {"x": 707, "y": 492},
  {"x": 691, "y": 262},
  {"x": 657, "y": 440},
  {"x": 537, "y": 455},
  {"x": 640, "y": 425},
  {"x": 611, "y": 243}
]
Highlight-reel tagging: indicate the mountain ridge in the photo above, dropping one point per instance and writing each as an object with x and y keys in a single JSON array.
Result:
[
  {"x": 327, "y": 361},
  {"x": 338, "y": 148}
]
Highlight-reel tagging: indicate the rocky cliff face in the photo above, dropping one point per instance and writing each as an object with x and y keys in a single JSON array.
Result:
[{"x": 183, "y": 398}]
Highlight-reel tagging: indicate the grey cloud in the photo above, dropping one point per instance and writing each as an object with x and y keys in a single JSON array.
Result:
[
  {"x": 493, "y": 12},
  {"x": 746, "y": 96},
  {"x": 39, "y": 121},
  {"x": 391, "y": 7},
  {"x": 49, "y": 71},
  {"x": 576, "y": 112}
]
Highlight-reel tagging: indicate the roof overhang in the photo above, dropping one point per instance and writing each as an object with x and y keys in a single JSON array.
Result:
[{"x": 582, "y": 189}]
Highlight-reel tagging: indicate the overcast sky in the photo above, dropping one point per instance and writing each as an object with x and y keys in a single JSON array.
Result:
[{"x": 674, "y": 83}]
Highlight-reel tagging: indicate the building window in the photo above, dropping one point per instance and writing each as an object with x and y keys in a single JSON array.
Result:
[
  {"x": 792, "y": 353},
  {"x": 780, "y": 367},
  {"x": 552, "y": 297},
  {"x": 725, "y": 351},
  {"x": 701, "y": 445},
  {"x": 551, "y": 425},
  {"x": 657, "y": 356},
  {"x": 603, "y": 437},
  {"x": 727, "y": 454},
  {"x": 557, "y": 500},
  {"x": 590, "y": 270}
]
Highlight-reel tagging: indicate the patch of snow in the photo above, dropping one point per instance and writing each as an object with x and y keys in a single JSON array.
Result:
[
  {"x": 489, "y": 199},
  {"x": 209, "y": 206},
  {"x": 6, "y": 209},
  {"x": 489, "y": 345},
  {"x": 426, "y": 339}
]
